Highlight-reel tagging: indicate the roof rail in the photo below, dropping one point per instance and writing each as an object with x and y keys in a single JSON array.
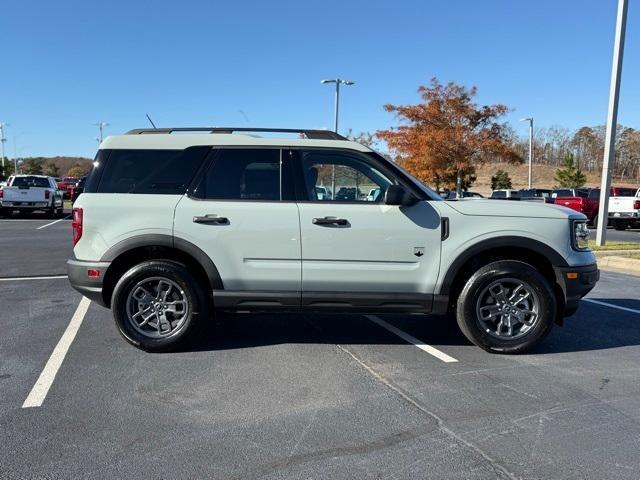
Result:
[{"x": 310, "y": 134}]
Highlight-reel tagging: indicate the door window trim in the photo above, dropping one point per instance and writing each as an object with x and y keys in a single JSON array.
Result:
[
  {"x": 300, "y": 183},
  {"x": 208, "y": 162}
]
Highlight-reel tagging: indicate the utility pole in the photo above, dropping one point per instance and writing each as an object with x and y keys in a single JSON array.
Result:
[
  {"x": 530, "y": 120},
  {"x": 336, "y": 107},
  {"x": 101, "y": 126},
  {"x": 612, "y": 120},
  {"x": 2, "y": 142}
]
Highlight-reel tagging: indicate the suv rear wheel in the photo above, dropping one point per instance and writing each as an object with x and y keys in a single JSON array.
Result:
[
  {"x": 157, "y": 305},
  {"x": 506, "y": 306}
]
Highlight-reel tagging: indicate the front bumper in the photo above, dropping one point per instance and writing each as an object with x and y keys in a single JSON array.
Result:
[
  {"x": 90, "y": 287},
  {"x": 575, "y": 283}
]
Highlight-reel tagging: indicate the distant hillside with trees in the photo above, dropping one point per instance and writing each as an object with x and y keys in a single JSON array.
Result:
[{"x": 59, "y": 166}]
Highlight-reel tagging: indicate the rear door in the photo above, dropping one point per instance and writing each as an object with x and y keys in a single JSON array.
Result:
[
  {"x": 243, "y": 214},
  {"x": 357, "y": 251}
]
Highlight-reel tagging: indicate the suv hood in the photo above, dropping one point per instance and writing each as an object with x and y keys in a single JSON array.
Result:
[{"x": 511, "y": 208}]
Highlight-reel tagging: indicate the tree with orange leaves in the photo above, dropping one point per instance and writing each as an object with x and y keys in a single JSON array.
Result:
[{"x": 444, "y": 138}]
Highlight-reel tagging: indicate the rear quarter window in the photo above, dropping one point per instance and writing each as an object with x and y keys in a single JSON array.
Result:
[{"x": 145, "y": 171}]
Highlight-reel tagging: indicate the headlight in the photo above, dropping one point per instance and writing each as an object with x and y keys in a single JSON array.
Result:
[{"x": 580, "y": 235}]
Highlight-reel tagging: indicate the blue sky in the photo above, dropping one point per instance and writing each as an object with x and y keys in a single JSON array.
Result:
[{"x": 64, "y": 65}]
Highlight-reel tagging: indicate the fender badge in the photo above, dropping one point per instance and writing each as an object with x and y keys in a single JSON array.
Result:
[{"x": 418, "y": 251}]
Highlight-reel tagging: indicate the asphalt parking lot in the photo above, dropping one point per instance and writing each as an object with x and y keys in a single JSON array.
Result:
[{"x": 305, "y": 396}]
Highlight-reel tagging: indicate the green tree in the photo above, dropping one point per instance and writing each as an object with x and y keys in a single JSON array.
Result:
[
  {"x": 79, "y": 170},
  {"x": 32, "y": 166},
  {"x": 50, "y": 168},
  {"x": 501, "y": 180},
  {"x": 569, "y": 176}
]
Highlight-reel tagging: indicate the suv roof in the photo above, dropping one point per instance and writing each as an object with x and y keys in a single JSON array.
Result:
[{"x": 166, "y": 138}]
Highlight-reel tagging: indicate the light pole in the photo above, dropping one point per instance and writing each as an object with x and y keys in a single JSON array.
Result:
[
  {"x": 336, "y": 108},
  {"x": 101, "y": 126},
  {"x": 612, "y": 119},
  {"x": 530, "y": 120},
  {"x": 338, "y": 82},
  {"x": 2, "y": 140},
  {"x": 15, "y": 151}
]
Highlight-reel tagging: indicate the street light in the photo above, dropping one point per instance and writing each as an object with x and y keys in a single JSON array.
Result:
[
  {"x": 530, "y": 120},
  {"x": 612, "y": 120},
  {"x": 338, "y": 82},
  {"x": 3, "y": 126}
]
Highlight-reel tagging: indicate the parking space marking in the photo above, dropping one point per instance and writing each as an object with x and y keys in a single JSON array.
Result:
[
  {"x": 53, "y": 223},
  {"x": 41, "y": 388},
  {"x": 611, "y": 305},
  {"x": 22, "y": 279},
  {"x": 408, "y": 338}
]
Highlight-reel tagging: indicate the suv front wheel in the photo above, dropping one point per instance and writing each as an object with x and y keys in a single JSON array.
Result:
[
  {"x": 157, "y": 304},
  {"x": 506, "y": 306}
]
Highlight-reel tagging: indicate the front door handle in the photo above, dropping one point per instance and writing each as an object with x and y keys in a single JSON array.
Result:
[
  {"x": 211, "y": 220},
  {"x": 331, "y": 221}
]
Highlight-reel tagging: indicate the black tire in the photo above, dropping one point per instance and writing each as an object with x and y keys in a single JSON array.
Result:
[
  {"x": 620, "y": 225},
  {"x": 51, "y": 212},
  {"x": 194, "y": 295},
  {"x": 476, "y": 288}
]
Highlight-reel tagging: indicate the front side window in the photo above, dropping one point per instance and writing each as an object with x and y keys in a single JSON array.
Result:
[
  {"x": 247, "y": 174},
  {"x": 340, "y": 177}
]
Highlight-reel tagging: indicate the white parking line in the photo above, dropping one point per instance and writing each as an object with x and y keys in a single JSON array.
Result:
[
  {"x": 418, "y": 343},
  {"x": 41, "y": 388},
  {"x": 611, "y": 305},
  {"x": 53, "y": 223},
  {"x": 22, "y": 279}
]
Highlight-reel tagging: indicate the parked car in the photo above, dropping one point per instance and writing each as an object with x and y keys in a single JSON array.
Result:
[
  {"x": 323, "y": 193},
  {"x": 348, "y": 194},
  {"x": 29, "y": 193},
  {"x": 624, "y": 210},
  {"x": 172, "y": 227},
  {"x": 66, "y": 185},
  {"x": 535, "y": 194},
  {"x": 504, "y": 194},
  {"x": 78, "y": 189},
  {"x": 569, "y": 192},
  {"x": 590, "y": 204},
  {"x": 453, "y": 195}
]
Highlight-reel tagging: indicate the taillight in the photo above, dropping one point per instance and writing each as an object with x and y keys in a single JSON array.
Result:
[
  {"x": 1, "y": 193},
  {"x": 76, "y": 225},
  {"x": 636, "y": 203},
  {"x": 47, "y": 194}
]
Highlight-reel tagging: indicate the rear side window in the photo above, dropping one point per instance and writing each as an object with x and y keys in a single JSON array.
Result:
[
  {"x": 498, "y": 194},
  {"x": 247, "y": 174},
  {"x": 148, "y": 171}
]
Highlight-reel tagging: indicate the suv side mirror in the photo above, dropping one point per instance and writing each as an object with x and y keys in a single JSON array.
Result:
[{"x": 397, "y": 195}]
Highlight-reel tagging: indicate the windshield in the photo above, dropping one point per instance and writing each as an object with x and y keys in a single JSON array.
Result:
[{"x": 41, "y": 182}]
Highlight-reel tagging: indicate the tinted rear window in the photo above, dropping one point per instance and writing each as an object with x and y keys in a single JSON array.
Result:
[
  {"x": 30, "y": 182},
  {"x": 147, "y": 171}
]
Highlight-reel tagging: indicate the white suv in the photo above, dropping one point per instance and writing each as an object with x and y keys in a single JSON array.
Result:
[{"x": 176, "y": 223}]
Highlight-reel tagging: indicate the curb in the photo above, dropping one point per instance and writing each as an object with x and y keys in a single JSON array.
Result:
[
  {"x": 619, "y": 263},
  {"x": 615, "y": 253}
]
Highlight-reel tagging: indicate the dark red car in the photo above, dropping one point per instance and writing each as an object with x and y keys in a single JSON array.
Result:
[
  {"x": 67, "y": 185},
  {"x": 588, "y": 202}
]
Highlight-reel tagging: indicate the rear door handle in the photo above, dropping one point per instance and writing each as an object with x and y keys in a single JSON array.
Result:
[
  {"x": 211, "y": 220},
  {"x": 330, "y": 221}
]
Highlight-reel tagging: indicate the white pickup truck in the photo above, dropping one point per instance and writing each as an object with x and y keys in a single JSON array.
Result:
[
  {"x": 624, "y": 211},
  {"x": 28, "y": 193}
]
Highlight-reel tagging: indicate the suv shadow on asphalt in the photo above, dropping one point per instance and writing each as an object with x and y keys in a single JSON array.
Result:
[{"x": 593, "y": 327}]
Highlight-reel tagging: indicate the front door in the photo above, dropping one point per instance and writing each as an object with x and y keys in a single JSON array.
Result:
[
  {"x": 243, "y": 215},
  {"x": 357, "y": 251}
]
